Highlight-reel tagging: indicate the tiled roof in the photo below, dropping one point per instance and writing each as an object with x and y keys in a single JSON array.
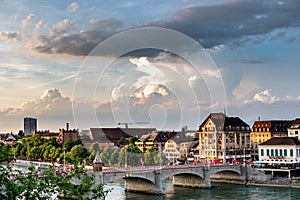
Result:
[
  {"x": 181, "y": 138},
  {"x": 221, "y": 120},
  {"x": 104, "y": 135},
  {"x": 295, "y": 124},
  {"x": 296, "y": 121},
  {"x": 282, "y": 141},
  {"x": 273, "y": 125},
  {"x": 156, "y": 136}
]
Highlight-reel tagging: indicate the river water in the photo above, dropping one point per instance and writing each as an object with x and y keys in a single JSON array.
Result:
[{"x": 218, "y": 191}]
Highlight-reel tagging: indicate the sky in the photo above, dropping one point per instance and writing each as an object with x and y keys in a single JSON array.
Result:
[{"x": 163, "y": 64}]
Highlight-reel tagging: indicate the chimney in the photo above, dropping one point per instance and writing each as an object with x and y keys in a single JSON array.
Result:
[{"x": 67, "y": 126}]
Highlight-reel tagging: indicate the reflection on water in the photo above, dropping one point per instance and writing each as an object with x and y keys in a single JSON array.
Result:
[{"x": 217, "y": 192}]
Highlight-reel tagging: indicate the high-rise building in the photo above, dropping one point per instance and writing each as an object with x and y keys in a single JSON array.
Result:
[{"x": 30, "y": 124}]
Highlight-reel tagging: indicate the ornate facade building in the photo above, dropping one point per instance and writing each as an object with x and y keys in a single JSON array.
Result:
[{"x": 224, "y": 139}]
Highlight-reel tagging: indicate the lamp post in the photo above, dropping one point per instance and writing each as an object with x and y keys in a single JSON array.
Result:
[
  {"x": 160, "y": 159},
  {"x": 64, "y": 158}
]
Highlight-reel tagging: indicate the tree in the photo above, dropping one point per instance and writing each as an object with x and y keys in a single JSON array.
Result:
[
  {"x": 5, "y": 153},
  {"x": 94, "y": 148},
  {"x": 149, "y": 157},
  {"x": 37, "y": 184},
  {"x": 130, "y": 155},
  {"x": 105, "y": 156},
  {"x": 78, "y": 153},
  {"x": 132, "y": 140},
  {"x": 122, "y": 141},
  {"x": 114, "y": 157},
  {"x": 69, "y": 145}
]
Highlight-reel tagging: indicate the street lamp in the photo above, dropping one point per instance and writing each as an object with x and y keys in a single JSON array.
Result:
[{"x": 64, "y": 158}]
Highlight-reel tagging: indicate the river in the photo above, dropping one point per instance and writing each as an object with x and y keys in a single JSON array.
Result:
[{"x": 218, "y": 191}]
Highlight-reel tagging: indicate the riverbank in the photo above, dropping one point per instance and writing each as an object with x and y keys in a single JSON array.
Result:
[{"x": 278, "y": 182}]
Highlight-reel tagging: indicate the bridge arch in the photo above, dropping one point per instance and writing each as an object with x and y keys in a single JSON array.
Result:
[
  {"x": 164, "y": 176},
  {"x": 140, "y": 178},
  {"x": 237, "y": 171}
]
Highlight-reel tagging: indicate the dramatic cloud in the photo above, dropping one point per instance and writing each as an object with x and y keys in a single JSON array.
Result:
[
  {"x": 73, "y": 7},
  {"x": 10, "y": 36},
  {"x": 231, "y": 21},
  {"x": 28, "y": 20},
  {"x": 63, "y": 38}
]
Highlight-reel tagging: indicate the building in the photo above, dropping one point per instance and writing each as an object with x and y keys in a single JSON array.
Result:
[
  {"x": 155, "y": 140},
  {"x": 224, "y": 139},
  {"x": 30, "y": 125},
  {"x": 178, "y": 147},
  {"x": 67, "y": 134},
  {"x": 294, "y": 129},
  {"x": 279, "y": 154},
  {"x": 110, "y": 137},
  {"x": 46, "y": 134},
  {"x": 171, "y": 150},
  {"x": 265, "y": 130}
]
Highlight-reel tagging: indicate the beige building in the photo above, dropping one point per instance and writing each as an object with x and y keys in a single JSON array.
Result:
[{"x": 224, "y": 139}]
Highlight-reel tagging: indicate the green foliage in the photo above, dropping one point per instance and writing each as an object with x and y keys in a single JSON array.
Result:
[
  {"x": 122, "y": 141},
  {"x": 78, "y": 153},
  {"x": 132, "y": 140},
  {"x": 95, "y": 147},
  {"x": 37, "y": 184},
  {"x": 5, "y": 153},
  {"x": 130, "y": 155}
]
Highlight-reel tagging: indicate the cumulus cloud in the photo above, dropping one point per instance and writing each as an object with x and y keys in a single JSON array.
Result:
[
  {"x": 121, "y": 91},
  {"x": 73, "y": 7},
  {"x": 264, "y": 97},
  {"x": 245, "y": 89},
  {"x": 10, "y": 36},
  {"x": 212, "y": 73},
  {"x": 194, "y": 80},
  {"x": 52, "y": 110},
  {"x": 28, "y": 20},
  {"x": 149, "y": 90},
  {"x": 61, "y": 28},
  {"x": 51, "y": 102}
]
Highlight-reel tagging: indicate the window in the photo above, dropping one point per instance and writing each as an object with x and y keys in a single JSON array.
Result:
[
  {"x": 272, "y": 152},
  {"x": 296, "y": 132},
  {"x": 262, "y": 152},
  {"x": 291, "y": 152},
  {"x": 268, "y": 152},
  {"x": 276, "y": 152},
  {"x": 280, "y": 152},
  {"x": 285, "y": 152}
]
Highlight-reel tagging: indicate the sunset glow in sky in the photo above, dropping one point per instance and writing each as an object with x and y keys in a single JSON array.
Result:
[{"x": 252, "y": 46}]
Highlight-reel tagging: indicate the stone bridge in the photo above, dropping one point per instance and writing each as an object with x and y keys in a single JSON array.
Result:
[{"x": 149, "y": 180}]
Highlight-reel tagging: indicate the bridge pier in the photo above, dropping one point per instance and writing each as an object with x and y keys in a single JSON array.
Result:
[
  {"x": 144, "y": 186},
  {"x": 189, "y": 180}
]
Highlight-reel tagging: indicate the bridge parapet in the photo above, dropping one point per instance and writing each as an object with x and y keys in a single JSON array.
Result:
[{"x": 149, "y": 180}]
